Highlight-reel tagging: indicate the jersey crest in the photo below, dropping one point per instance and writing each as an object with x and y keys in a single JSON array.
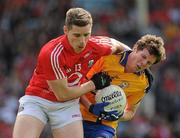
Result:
[{"x": 90, "y": 63}]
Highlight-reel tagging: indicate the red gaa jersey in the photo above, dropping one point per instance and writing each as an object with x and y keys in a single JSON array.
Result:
[{"x": 57, "y": 60}]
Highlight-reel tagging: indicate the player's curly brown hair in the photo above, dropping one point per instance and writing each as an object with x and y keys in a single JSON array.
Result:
[
  {"x": 154, "y": 44},
  {"x": 78, "y": 17}
]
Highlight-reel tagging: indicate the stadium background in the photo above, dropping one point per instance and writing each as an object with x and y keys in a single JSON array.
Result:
[{"x": 25, "y": 25}]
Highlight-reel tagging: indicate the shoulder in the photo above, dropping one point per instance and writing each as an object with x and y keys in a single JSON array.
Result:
[
  {"x": 50, "y": 48},
  {"x": 53, "y": 48}
]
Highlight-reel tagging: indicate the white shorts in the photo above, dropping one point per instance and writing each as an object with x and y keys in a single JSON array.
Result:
[{"x": 55, "y": 113}]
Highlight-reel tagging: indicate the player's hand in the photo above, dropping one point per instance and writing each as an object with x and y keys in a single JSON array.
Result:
[
  {"x": 114, "y": 116},
  {"x": 101, "y": 80},
  {"x": 97, "y": 108}
]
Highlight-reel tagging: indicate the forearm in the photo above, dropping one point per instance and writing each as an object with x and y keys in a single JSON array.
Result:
[
  {"x": 84, "y": 100},
  {"x": 75, "y": 92},
  {"x": 64, "y": 93},
  {"x": 128, "y": 115},
  {"x": 118, "y": 46},
  {"x": 129, "y": 112}
]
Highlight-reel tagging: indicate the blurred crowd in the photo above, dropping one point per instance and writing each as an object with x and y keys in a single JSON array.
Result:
[{"x": 25, "y": 25}]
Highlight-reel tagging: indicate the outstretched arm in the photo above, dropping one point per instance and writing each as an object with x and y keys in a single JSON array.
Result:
[{"x": 118, "y": 46}]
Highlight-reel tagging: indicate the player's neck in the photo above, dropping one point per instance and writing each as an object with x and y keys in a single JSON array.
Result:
[{"x": 128, "y": 70}]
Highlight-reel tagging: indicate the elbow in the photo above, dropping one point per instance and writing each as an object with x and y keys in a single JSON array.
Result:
[
  {"x": 62, "y": 95},
  {"x": 61, "y": 99}
]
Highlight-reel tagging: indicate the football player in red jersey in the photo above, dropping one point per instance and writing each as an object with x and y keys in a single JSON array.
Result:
[{"x": 53, "y": 92}]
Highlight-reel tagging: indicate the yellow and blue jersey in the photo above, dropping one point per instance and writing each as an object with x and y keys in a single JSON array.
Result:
[{"x": 135, "y": 85}]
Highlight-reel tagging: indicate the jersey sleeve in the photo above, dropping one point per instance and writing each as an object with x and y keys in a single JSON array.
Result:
[{"x": 97, "y": 67}]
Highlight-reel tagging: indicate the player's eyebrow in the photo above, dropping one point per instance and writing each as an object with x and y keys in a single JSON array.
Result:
[{"x": 78, "y": 34}]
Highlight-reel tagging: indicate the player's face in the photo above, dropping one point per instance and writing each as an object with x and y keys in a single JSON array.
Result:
[
  {"x": 140, "y": 60},
  {"x": 78, "y": 36}
]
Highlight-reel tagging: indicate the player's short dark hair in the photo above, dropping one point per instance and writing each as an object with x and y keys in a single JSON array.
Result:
[
  {"x": 78, "y": 17},
  {"x": 154, "y": 44}
]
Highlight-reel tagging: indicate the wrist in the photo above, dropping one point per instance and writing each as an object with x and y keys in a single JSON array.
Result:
[
  {"x": 126, "y": 116},
  {"x": 92, "y": 85},
  {"x": 88, "y": 86}
]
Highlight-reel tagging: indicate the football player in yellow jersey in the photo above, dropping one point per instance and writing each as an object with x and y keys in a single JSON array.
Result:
[{"x": 130, "y": 71}]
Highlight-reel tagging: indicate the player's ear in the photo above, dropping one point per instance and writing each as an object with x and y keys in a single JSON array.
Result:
[
  {"x": 135, "y": 48},
  {"x": 65, "y": 29}
]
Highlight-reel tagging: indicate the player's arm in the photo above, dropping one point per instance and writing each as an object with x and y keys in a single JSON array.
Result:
[
  {"x": 95, "y": 109},
  {"x": 85, "y": 101},
  {"x": 118, "y": 46},
  {"x": 132, "y": 106},
  {"x": 129, "y": 112},
  {"x": 97, "y": 67},
  {"x": 65, "y": 93}
]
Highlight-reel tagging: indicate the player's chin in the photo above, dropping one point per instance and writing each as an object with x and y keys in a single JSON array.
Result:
[{"x": 81, "y": 48}]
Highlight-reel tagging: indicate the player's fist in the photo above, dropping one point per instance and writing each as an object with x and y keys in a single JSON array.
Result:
[
  {"x": 101, "y": 80},
  {"x": 98, "y": 110},
  {"x": 111, "y": 116}
]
